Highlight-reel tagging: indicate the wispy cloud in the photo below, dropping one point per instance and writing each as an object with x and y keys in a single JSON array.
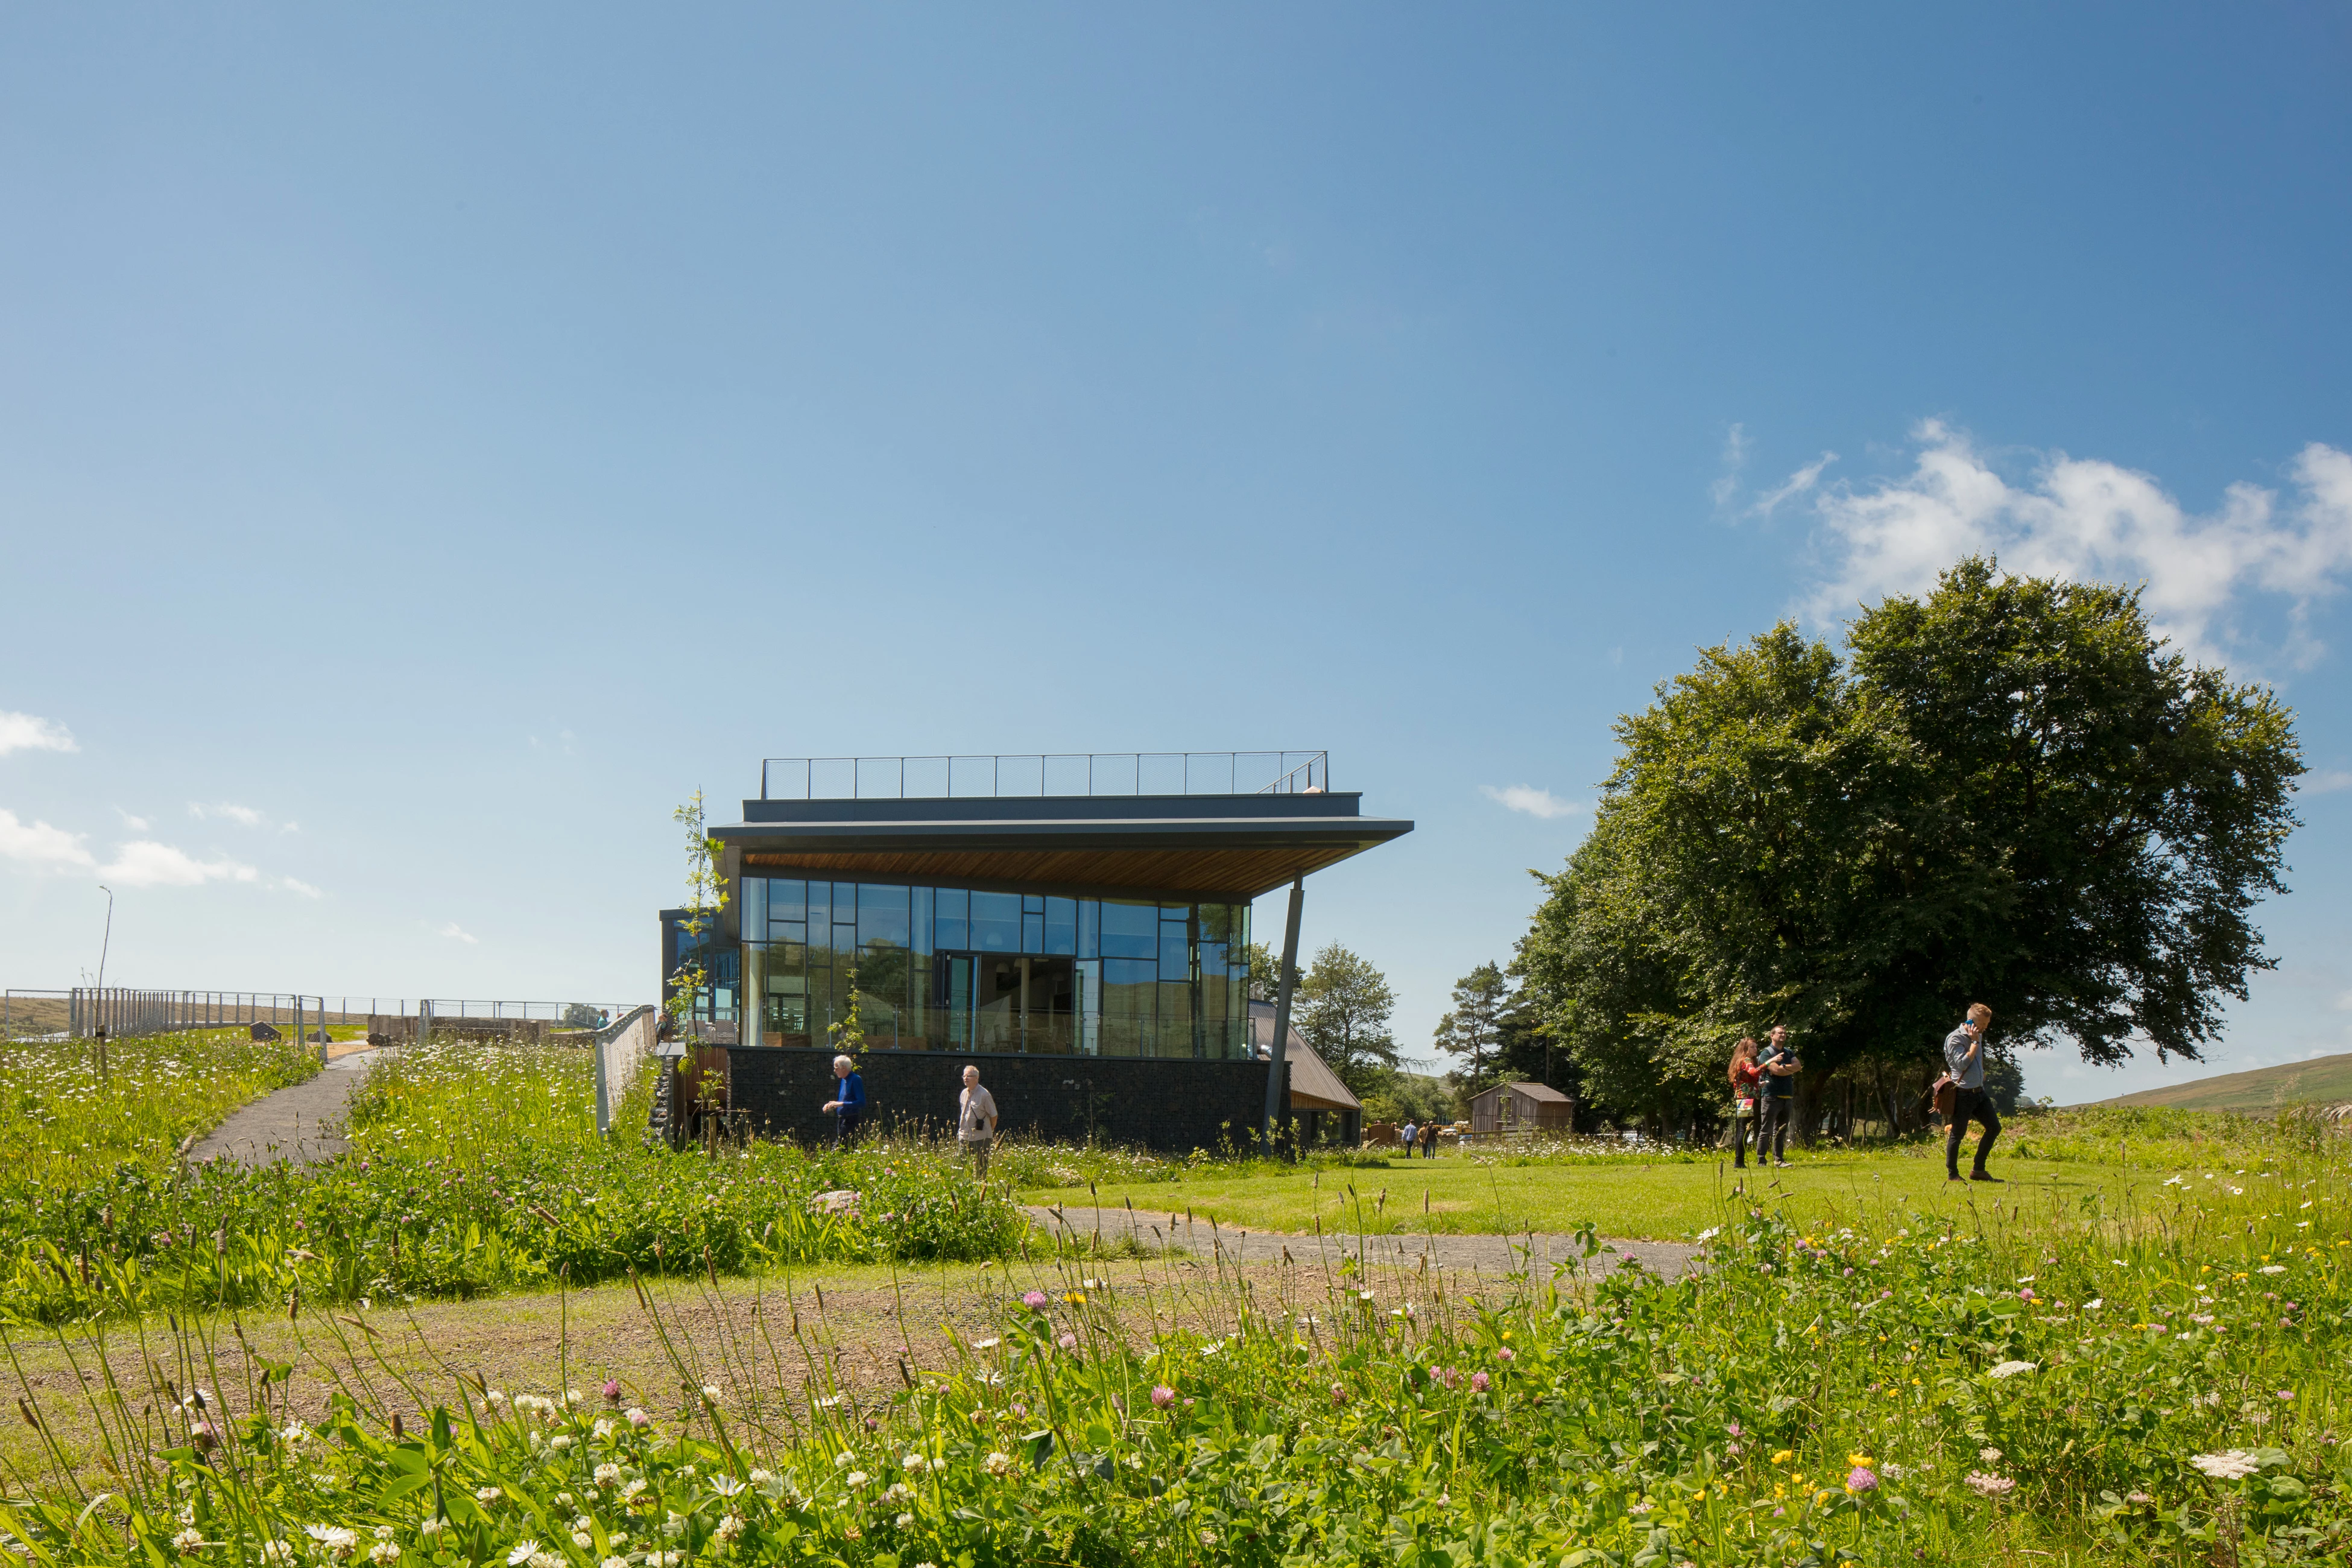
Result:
[
  {"x": 1795, "y": 485},
  {"x": 24, "y": 733},
  {"x": 1533, "y": 802},
  {"x": 2325, "y": 781},
  {"x": 244, "y": 815},
  {"x": 1735, "y": 462},
  {"x": 296, "y": 885},
  {"x": 2082, "y": 518},
  {"x": 38, "y": 845},
  {"x": 133, "y": 824},
  {"x": 143, "y": 863},
  {"x": 452, "y": 929}
]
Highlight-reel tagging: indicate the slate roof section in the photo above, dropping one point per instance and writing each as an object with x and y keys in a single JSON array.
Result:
[{"x": 1313, "y": 1085}]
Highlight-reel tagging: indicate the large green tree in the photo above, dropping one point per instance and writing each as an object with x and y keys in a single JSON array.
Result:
[
  {"x": 1473, "y": 1027},
  {"x": 2009, "y": 792},
  {"x": 1343, "y": 1004}
]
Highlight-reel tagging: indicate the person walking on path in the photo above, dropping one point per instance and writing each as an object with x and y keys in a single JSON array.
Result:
[
  {"x": 850, "y": 1108},
  {"x": 1429, "y": 1141},
  {"x": 975, "y": 1123},
  {"x": 1747, "y": 1081},
  {"x": 1779, "y": 1067},
  {"x": 1964, "y": 1062},
  {"x": 1411, "y": 1138}
]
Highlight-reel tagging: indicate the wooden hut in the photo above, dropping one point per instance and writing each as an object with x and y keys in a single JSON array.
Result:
[{"x": 1521, "y": 1108}]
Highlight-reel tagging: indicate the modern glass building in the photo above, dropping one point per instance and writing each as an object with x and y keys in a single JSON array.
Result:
[
  {"x": 969, "y": 969},
  {"x": 1074, "y": 907}
]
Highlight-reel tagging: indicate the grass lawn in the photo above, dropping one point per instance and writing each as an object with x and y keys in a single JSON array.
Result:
[{"x": 1664, "y": 1200}]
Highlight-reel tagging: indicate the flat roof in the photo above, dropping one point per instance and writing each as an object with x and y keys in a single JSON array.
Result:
[{"x": 1174, "y": 847}]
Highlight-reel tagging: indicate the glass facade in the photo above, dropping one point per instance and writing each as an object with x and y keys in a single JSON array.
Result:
[{"x": 957, "y": 969}]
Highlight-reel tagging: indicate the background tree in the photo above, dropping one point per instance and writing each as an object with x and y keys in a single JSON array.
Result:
[
  {"x": 1410, "y": 1097},
  {"x": 1341, "y": 1006},
  {"x": 1473, "y": 1026},
  {"x": 1265, "y": 971},
  {"x": 2014, "y": 793}
]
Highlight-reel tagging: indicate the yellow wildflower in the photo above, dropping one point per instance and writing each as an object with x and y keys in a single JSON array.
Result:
[{"x": 1784, "y": 1456}]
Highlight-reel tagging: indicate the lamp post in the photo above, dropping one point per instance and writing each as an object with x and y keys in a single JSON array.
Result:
[{"x": 104, "y": 943}]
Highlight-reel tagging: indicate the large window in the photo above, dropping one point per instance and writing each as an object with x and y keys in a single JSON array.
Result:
[{"x": 954, "y": 969}]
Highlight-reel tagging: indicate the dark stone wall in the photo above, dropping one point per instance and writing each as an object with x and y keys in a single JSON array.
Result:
[{"x": 1174, "y": 1106}]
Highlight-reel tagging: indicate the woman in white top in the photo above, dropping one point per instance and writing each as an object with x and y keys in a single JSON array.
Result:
[{"x": 975, "y": 1123}]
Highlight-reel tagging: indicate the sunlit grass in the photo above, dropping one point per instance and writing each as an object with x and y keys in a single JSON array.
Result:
[{"x": 2089, "y": 1163}]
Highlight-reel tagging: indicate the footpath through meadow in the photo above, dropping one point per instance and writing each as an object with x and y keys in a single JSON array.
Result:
[
  {"x": 302, "y": 1123},
  {"x": 1540, "y": 1253}
]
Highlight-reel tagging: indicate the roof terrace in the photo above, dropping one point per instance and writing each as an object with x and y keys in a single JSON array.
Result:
[
  {"x": 1131, "y": 824},
  {"x": 1045, "y": 774}
]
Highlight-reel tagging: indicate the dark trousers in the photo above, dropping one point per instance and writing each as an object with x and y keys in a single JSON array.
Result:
[
  {"x": 1970, "y": 1104},
  {"x": 1742, "y": 1128},
  {"x": 1774, "y": 1112},
  {"x": 844, "y": 1128}
]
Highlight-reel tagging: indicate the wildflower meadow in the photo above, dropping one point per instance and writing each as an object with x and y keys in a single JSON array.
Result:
[
  {"x": 2034, "y": 1374},
  {"x": 2157, "y": 1383},
  {"x": 472, "y": 1169}
]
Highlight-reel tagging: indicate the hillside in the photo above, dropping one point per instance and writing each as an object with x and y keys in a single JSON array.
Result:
[{"x": 2323, "y": 1078}]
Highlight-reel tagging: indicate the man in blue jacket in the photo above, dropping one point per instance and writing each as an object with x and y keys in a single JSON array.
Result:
[{"x": 850, "y": 1108}]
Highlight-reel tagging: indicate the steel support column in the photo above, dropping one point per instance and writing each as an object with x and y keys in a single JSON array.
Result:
[{"x": 1273, "y": 1063}]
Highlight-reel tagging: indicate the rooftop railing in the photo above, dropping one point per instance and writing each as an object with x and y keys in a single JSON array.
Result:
[{"x": 1044, "y": 773}]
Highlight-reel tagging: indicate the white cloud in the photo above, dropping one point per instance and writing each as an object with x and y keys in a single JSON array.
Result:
[
  {"x": 2324, "y": 781},
  {"x": 143, "y": 863},
  {"x": 296, "y": 885},
  {"x": 39, "y": 844},
  {"x": 244, "y": 815},
  {"x": 1534, "y": 802},
  {"x": 24, "y": 733},
  {"x": 134, "y": 824},
  {"x": 2082, "y": 518},
  {"x": 1734, "y": 460},
  {"x": 1796, "y": 484},
  {"x": 452, "y": 929}
]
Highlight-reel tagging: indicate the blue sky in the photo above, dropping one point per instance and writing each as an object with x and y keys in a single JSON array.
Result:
[{"x": 434, "y": 442}]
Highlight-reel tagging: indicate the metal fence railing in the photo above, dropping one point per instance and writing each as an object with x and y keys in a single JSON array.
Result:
[
  {"x": 77, "y": 1012},
  {"x": 1036, "y": 773},
  {"x": 122, "y": 1011}
]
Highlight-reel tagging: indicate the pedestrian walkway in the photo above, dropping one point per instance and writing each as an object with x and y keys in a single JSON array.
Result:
[
  {"x": 303, "y": 1123},
  {"x": 1540, "y": 1254}
]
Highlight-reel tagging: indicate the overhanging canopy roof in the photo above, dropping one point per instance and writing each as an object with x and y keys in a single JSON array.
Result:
[{"x": 1169, "y": 847}]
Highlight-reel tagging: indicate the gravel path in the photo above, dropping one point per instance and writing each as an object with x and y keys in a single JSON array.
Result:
[
  {"x": 1540, "y": 1253},
  {"x": 303, "y": 1123}
]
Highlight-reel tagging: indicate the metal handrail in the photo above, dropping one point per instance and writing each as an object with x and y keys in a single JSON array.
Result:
[{"x": 1017, "y": 775}]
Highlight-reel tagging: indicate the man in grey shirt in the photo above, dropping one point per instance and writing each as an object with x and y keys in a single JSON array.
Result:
[{"x": 1964, "y": 1063}]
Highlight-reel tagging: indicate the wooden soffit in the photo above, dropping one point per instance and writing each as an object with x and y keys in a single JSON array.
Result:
[{"x": 1212, "y": 874}]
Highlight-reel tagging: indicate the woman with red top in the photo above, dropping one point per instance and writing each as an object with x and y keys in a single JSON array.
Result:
[{"x": 1747, "y": 1081}]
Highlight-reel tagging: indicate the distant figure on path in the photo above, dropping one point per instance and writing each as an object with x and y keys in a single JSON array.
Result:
[
  {"x": 975, "y": 1123},
  {"x": 850, "y": 1108},
  {"x": 1410, "y": 1138},
  {"x": 1747, "y": 1085},
  {"x": 1429, "y": 1141},
  {"x": 1964, "y": 1058},
  {"x": 1781, "y": 1067}
]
